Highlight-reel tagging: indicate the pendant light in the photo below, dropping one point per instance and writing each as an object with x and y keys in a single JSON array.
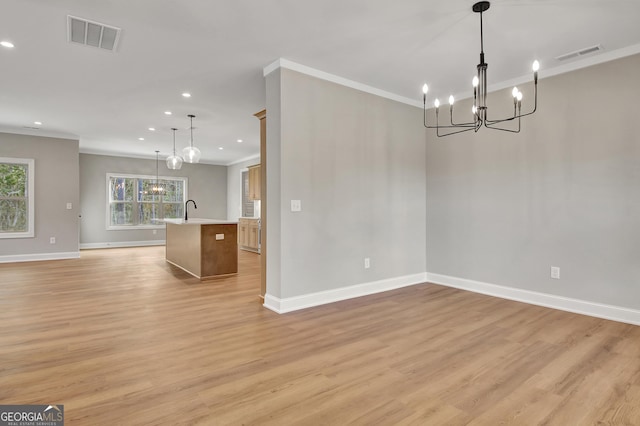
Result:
[
  {"x": 191, "y": 154},
  {"x": 157, "y": 188},
  {"x": 173, "y": 161}
]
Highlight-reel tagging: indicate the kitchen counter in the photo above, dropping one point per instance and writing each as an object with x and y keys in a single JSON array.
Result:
[
  {"x": 205, "y": 248},
  {"x": 199, "y": 221}
]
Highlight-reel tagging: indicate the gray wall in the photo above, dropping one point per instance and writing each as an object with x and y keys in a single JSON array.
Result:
[
  {"x": 357, "y": 163},
  {"x": 207, "y": 186},
  {"x": 503, "y": 208},
  {"x": 56, "y": 184},
  {"x": 234, "y": 187},
  {"x": 273, "y": 209}
]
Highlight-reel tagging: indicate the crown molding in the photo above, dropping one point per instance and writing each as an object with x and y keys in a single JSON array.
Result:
[{"x": 303, "y": 69}]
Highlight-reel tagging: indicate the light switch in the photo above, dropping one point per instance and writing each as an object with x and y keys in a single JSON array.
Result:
[
  {"x": 219, "y": 236},
  {"x": 69, "y": 206},
  {"x": 296, "y": 205}
]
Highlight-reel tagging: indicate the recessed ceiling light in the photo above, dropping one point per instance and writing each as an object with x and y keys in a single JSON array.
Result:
[
  {"x": 6, "y": 44},
  {"x": 140, "y": 139},
  {"x": 153, "y": 129},
  {"x": 167, "y": 112},
  {"x": 38, "y": 123},
  {"x": 239, "y": 140},
  {"x": 186, "y": 95},
  {"x": 220, "y": 148}
]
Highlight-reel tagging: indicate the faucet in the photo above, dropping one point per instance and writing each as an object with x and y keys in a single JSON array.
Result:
[{"x": 186, "y": 209}]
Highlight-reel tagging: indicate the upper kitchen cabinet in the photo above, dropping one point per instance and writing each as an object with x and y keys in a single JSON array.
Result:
[{"x": 254, "y": 182}]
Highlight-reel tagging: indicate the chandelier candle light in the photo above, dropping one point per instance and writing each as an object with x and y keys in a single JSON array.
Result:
[
  {"x": 191, "y": 154},
  {"x": 173, "y": 161},
  {"x": 480, "y": 109}
]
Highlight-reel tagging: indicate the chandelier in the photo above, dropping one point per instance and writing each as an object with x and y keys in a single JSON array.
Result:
[
  {"x": 157, "y": 187},
  {"x": 480, "y": 110}
]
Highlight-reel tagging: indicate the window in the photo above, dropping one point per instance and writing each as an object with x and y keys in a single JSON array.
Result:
[
  {"x": 16, "y": 197},
  {"x": 133, "y": 205}
]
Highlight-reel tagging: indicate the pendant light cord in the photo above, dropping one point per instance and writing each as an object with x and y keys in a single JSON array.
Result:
[
  {"x": 174, "y": 140},
  {"x": 191, "y": 116},
  {"x": 481, "y": 36},
  {"x": 157, "y": 169}
]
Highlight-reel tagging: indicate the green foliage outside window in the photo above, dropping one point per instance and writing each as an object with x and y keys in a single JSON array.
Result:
[
  {"x": 132, "y": 201},
  {"x": 14, "y": 202}
]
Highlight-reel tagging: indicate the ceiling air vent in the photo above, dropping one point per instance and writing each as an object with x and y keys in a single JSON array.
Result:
[
  {"x": 91, "y": 33},
  {"x": 578, "y": 53}
]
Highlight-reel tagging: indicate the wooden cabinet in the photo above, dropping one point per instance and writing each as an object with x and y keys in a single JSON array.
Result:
[
  {"x": 204, "y": 248},
  {"x": 248, "y": 234},
  {"x": 253, "y": 235},
  {"x": 254, "y": 182},
  {"x": 243, "y": 233}
]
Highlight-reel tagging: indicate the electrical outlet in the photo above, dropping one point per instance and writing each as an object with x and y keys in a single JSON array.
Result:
[
  {"x": 52, "y": 240},
  {"x": 69, "y": 206},
  {"x": 367, "y": 263},
  {"x": 555, "y": 272},
  {"x": 296, "y": 205}
]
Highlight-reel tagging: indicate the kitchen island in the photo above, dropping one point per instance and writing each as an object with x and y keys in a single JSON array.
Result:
[{"x": 205, "y": 248}]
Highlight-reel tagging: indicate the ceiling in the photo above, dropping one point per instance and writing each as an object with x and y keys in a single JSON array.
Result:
[{"x": 216, "y": 50}]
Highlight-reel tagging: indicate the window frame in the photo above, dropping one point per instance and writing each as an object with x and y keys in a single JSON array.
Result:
[
  {"x": 30, "y": 198},
  {"x": 110, "y": 227}
]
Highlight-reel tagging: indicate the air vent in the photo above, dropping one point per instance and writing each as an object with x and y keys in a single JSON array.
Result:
[
  {"x": 578, "y": 53},
  {"x": 91, "y": 33}
]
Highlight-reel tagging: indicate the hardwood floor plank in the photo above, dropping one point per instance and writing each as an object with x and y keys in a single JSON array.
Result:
[{"x": 121, "y": 337}]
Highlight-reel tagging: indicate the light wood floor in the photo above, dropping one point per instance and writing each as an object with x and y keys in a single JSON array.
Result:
[{"x": 121, "y": 337}]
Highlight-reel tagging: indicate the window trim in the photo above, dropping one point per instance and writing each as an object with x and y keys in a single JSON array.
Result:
[
  {"x": 110, "y": 227},
  {"x": 31, "y": 174}
]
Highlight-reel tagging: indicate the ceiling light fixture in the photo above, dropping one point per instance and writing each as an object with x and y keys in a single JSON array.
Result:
[
  {"x": 174, "y": 162},
  {"x": 140, "y": 139},
  {"x": 239, "y": 140},
  {"x": 6, "y": 44},
  {"x": 38, "y": 123},
  {"x": 480, "y": 109},
  {"x": 153, "y": 129},
  {"x": 157, "y": 188},
  {"x": 167, "y": 113},
  {"x": 191, "y": 154},
  {"x": 186, "y": 95}
]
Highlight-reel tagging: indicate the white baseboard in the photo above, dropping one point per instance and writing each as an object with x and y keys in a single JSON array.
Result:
[
  {"x": 290, "y": 304},
  {"x": 121, "y": 244},
  {"x": 599, "y": 310},
  {"x": 39, "y": 256}
]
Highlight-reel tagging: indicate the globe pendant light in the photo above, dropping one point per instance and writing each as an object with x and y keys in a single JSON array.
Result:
[
  {"x": 173, "y": 161},
  {"x": 191, "y": 154}
]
